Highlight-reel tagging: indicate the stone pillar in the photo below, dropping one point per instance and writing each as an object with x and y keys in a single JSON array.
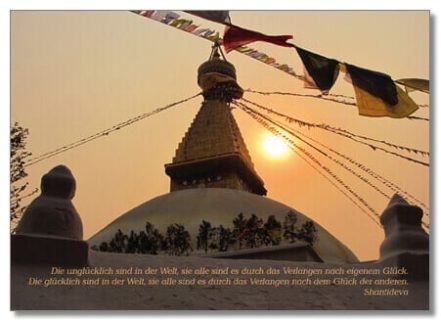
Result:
[
  {"x": 406, "y": 243},
  {"x": 51, "y": 230}
]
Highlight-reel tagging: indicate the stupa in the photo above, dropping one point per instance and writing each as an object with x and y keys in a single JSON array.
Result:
[
  {"x": 212, "y": 153},
  {"x": 212, "y": 176}
]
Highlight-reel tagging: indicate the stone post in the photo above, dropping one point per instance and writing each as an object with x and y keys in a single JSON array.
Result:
[
  {"x": 51, "y": 230},
  {"x": 406, "y": 244}
]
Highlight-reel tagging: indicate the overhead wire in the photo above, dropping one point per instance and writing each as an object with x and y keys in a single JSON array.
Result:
[
  {"x": 347, "y": 134},
  {"x": 396, "y": 146},
  {"x": 332, "y": 98},
  {"x": 327, "y": 97},
  {"x": 388, "y": 183},
  {"x": 344, "y": 166},
  {"x": 105, "y": 132},
  {"x": 378, "y": 177},
  {"x": 419, "y": 118},
  {"x": 374, "y": 215}
]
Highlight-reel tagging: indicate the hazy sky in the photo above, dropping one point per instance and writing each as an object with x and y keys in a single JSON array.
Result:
[{"x": 76, "y": 73}]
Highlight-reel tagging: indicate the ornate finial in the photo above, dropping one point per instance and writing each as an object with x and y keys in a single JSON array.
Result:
[
  {"x": 216, "y": 52},
  {"x": 217, "y": 78}
]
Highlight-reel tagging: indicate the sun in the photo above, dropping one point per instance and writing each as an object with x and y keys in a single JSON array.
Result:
[{"x": 274, "y": 146}]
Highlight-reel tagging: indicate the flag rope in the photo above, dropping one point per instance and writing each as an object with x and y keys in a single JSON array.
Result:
[
  {"x": 373, "y": 214},
  {"x": 105, "y": 132},
  {"x": 393, "y": 187},
  {"x": 347, "y": 135}
]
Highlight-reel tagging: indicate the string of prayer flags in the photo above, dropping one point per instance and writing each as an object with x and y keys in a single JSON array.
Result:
[
  {"x": 415, "y": 84},
  {"x": 163, "y": 16},
  {"x": 320, "y": 72},
  {"x": 173, "y": 20},
  {"x": 264, "y": 58},
  {"x": 235, "y": 37},
  {"x": 376, "y": 93},
  {"x": 213, "y": 15},
  {"x": 145, "y": 13},
  {"x": 375, "y": 83}
]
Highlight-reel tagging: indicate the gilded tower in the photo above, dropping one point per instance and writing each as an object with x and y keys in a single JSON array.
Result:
[{"x": 212, "y": 153}]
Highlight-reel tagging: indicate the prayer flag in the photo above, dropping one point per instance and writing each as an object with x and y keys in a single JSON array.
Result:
[
  {"x": 235, "y": 37},
  {"x": 159, "y": 15},
  {"x": 321, "y": 71},
  {"x": 213, "y": 15},
  {"x": 375, "y": 83},
  {"x": 308, "y": 81},
  {"x": 370, "y": 105},
  {"x": 415, "y": 84}
]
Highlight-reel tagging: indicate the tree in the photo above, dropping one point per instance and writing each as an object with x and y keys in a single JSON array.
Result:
[
  {"x": 273, "y": 231},
  {"x": 150, "y": 241},
  {"x": 132, "y": 243},
  {"x": 308, "y": 232},
  {"x": 19, "y": 154},
  {"x": 177, "y": 240},
  {"x": 239, "y": 226},
  {"x": 213, "y": 239},
  {"x": 254, "y": 233},
  {"x": 118, "y": 244},
  {"x": 290, "y": 227},
  {"x": 225, "y": 238},
  {"x": 104, "y": 247},
  {"x": 202, "y": 240}
]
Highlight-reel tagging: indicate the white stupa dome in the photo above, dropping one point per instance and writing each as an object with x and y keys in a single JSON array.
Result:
[{"x": 218, "y": 206}]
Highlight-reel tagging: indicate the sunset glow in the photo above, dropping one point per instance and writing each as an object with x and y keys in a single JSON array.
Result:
[{"x": 274, "y": 146}]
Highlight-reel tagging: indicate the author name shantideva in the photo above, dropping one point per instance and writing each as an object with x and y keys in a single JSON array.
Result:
[{"x": 385, "y": 292}]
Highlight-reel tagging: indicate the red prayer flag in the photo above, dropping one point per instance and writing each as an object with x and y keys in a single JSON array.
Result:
[{"x": 235, "y": 37}]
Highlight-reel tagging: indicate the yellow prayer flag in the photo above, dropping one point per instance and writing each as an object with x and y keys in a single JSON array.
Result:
[
  {"x": 343, "y": 68},
  {"x": 369, "y": 105}
]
